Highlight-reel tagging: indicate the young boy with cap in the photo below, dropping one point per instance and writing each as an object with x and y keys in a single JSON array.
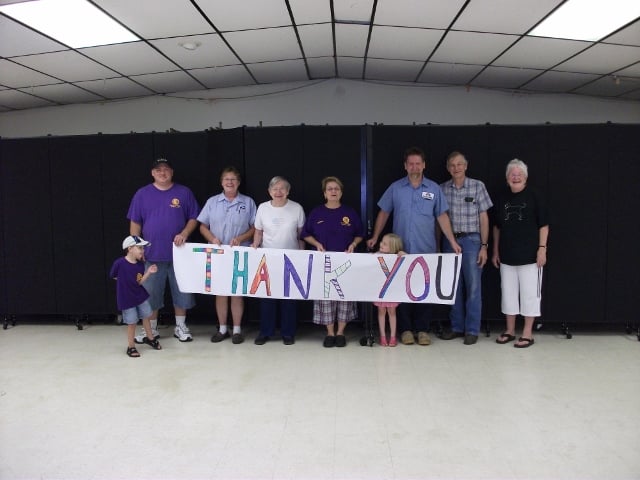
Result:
[{"x": 132, "y": 298}]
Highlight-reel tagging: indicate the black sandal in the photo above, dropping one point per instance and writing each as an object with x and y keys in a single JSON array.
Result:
[
  {"x": 132, "y": 352},
  {"x": 152, "y": 343}
]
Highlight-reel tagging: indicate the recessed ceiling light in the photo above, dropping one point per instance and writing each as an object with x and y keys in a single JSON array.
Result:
[
  {"x": 76, "y": 23},
  {"x": 588, "y": 20},
  {"x": 190, "y": 45}
]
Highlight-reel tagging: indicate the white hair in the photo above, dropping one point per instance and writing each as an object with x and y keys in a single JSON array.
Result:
[
  {"x": 519, "y": 164},
  {"x": 278, "y": 179}
]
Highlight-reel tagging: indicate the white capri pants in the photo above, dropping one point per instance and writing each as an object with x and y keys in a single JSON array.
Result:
[{"x": 521, "y": 289}]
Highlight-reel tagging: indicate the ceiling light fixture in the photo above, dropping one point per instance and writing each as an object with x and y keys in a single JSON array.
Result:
[
  {"x": 588, "y": 20},
  {"x": 190, "y": 45},
  {"x": 76, "y": 23}
]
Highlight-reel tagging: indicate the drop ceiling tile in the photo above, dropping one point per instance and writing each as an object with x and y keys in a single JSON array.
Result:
[
  {"x": 504, "y": 77},
  {"x": 227, "y": 76},
  {"x": 130, "y": 58},
  {"x": 63, "y": 93},
  {"x": 113, "y": 88},
  {"x": 212, "y": 52},
  {"x": 349, "y": 67},
  {"x": 317, "y": 40},
  {"x": 18, "y": 100},
  {"x": 503, "y": 16},
  {"x": 417, "y": 13},
  {"x": 265, "y": 45},
  {"x": 538, "y": 52},
  {"x": 559, "y": 81},
  {"x": 154, "y": 19},
  {"x": 472, "y": 48},
  {"x": 627, "y": 36},
  {"x": 403, "y": 43},
  {"x": 283, "y": 71},
  {"x": 310, "y": 11},
  {"x": 632, "y": 71},
  {"x": 351, "y": 40},
  {"x": 393, "y": 70},
  {"x": 601, "y": 59},
  {"x": 449, "y": 73},
  {"x": 607, "y": 87},
  {"x": 229, "y": 15},
  {"x": 322, "y": 67},
  {"x": 353, "y": 10},
  {"x": 14, "y": 75},
  {"x": 67, "y": 65},
  {"x": 16, "y": 40},
  {"x": 634, "y": 95},
  {"x": 168, "y": 82}
]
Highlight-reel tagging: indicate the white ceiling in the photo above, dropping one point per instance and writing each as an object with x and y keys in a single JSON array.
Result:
[{"x": 481, "y": 43}]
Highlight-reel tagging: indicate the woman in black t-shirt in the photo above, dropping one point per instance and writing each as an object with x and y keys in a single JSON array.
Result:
[{"x": 520, "y": 252}]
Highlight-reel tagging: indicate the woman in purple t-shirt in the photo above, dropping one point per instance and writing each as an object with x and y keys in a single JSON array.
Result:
[{"x": 333, "y": 227}]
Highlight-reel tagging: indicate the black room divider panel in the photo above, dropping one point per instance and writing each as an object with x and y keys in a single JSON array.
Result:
[
  {"x": 331, "y": 151},
  {"x": 473, "y": 142},
  {"x": 125, "y": 167},
  {"x": 28, "y": 246},
  {"x": 3, "y": 240},
  {"x": 304, "y": 155},
  {"x": 76, "y": 216},
  {"x": 225, "y": 149},
  {"x": 271, "y": 152},
  {"x": 188, "y": 155},
  {"x": 578, "y": 181},
  {"x": 274, "y": 151},
  {"x": 623, "y": 227},
  {"x": 64, "y": 201},
  {"x": 529, "y": 144}
]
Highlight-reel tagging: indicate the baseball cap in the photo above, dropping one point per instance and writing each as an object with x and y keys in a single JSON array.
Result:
[
  {"x": 133, "y": 240},
  {"x": 161, "y": 162}
]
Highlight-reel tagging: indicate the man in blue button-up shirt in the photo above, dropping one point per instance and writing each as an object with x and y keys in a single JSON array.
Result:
[{"x": 416, "y": 203}]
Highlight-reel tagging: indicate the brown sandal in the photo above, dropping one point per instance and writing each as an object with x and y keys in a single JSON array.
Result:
[
  {"x": 504, "y": 337},
  {"x": 527, "y": 342}
]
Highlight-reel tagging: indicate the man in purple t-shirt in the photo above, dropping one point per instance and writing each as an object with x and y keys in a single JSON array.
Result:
[{"x": 164, "y": 213}]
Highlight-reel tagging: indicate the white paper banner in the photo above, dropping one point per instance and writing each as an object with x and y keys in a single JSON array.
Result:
[{"x": 310, "y": 275}]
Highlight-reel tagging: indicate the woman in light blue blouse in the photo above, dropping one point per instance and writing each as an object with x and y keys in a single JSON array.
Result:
[{"x": 227, "y": 219}]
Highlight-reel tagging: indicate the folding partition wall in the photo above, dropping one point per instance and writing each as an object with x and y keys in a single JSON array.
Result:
[
  {"x": 65, "y": 199},
  {"x": 27, "y": 244}
]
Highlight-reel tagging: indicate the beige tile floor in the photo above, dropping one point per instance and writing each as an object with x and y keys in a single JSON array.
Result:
[{"x": 74, "y": 406}]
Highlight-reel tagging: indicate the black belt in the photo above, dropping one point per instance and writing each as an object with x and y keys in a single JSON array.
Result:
[{"x": 462, "y": 234}]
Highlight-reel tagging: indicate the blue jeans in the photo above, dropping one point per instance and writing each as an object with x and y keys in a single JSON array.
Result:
[
  {"x": 156, "y": 283},
  {"x": 288, "y": 317},
  {"x": 466, "y": 313}
]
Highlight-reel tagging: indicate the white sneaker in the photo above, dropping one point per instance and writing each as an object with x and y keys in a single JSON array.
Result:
[
  {"x": 182, "y": 333},
  {"x": 141, "y": 336}
]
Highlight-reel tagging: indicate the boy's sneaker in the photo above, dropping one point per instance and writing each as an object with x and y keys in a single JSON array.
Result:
[
  {"x": 182, "y": 333},
  {"x": 140, "y": 338}
]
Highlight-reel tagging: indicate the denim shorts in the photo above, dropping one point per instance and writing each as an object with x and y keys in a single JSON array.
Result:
[
  {"x": 130, "y": 316},
  {"x": 157, "y": 282}
]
